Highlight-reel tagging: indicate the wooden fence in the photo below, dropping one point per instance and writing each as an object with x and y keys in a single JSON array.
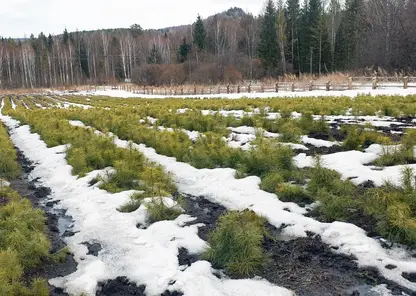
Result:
[{"x": 353, "y": 83}]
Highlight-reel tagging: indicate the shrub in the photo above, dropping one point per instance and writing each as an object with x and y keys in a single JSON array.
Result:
[
  {"x": 159, "y": 211},
  {"x": 353, "y": 141},
  {"x": 8, "y": 159},
  {"x": 269, "y": 156},
  {"x": 322, "y": 178},
  {"x": 335, "y": 207},
  {"x": 236, "y": 243},
  {"x": 394, "y": 209},
  {"x": 23, "y": 244},
  {"x": 394, "y": 156},
  {"x": 11, "y": 273},
  {"x": 293, "y": 193},
  {"x": 23, "y": 230},
  {"x": 232, "y": 75},
  {"x": 271, "y": 181},
  {"x": 130, "y": 206},
  {"x": 290, "y": 132}
]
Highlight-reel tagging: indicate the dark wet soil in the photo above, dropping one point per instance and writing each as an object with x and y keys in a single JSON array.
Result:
[
  {"x": 36, "y": 194},
  {"x": 305, "y": 265},
  {"x": 334, "y": 133},
  {"x": 311, "y": 268},
  {"x": 93, "y": 248},
  {"x": 205, "y": 211},
  {"x": 121, "y": 286},
  {"x": 313, "y": 150}
]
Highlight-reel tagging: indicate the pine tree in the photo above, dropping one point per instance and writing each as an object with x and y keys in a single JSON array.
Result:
[
  {"x": 348, "y": 35},
  {"x": 268, "y": 49},
  {"x": 155, "y": 57},
  {"x": 199, "y": 34},
  {"x": 65, "y": 37},
  {"x": 281, "y": 26},
  {"x": 304, "y": 38},
  {"x": 314, "y": 14},
  {"x": 136, "y": 30},
  {"x": 50, "y": 43},
  {"x": 183, "y": 51},
  {"x": 293, "y": 13}
]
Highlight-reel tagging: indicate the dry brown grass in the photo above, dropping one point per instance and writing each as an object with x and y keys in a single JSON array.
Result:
[{"x": 337, "y": 79}]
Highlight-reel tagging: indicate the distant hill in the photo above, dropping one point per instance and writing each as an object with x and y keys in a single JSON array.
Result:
[{"x": 232, "y": 13}]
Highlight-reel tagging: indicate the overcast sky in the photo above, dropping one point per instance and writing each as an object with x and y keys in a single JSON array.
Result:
[{"x": 19, "y": 18}]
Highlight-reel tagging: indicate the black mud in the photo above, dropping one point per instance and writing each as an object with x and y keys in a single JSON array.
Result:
[
  {"x": 121, "y": 286},
  {"x": 37, "y": 195},
  {"x": 204, "y": 211},
  {"x": 93, "y": 248},
  {"x": 311, "y": 268},
  {"x": 307, "y": 266}
]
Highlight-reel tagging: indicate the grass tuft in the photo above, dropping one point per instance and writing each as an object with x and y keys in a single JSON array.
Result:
[
  {"x": 159, "y": 211},
  {"x": 236, "y": 243}
]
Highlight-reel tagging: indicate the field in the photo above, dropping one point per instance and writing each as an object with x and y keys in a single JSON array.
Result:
[{"x": 309, "y": 196}]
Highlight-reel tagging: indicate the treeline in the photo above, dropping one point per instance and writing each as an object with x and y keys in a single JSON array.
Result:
[{"x": 314, "y": 36}]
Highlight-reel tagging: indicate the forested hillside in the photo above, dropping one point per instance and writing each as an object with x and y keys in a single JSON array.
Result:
[{"x": 293, "y": 36}]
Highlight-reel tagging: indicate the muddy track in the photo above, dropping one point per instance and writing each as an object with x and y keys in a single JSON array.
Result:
[{"x": 307, "y": 266}]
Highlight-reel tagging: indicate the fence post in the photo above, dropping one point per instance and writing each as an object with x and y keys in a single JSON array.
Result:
[
  {"x": 310, "y": 85},
  {"x": 182, "y": 91},
  {"x": 228, "y": 88},
  {"x": 210, "y": 90},
  {"x": 152, "y": 91},
  {"x": 194, "y": 89},
  {"x": 405, "y": 82},
  {"x": 293, "y": 86},
  {"x": 328, "y": 85},
  {"x": 374, "y": 82},
  {"x": 238, "y": 89},
  {"x": 350, "y": 83},
  {"x": 249, "y": 88},
  {"x": 276, "y": 87}
]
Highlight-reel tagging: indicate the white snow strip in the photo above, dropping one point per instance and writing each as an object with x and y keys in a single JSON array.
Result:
[
  {"x": 351, "y": 164},
  {"x": 318, "y": 142},
  {"x": 145, "y": 256},
  {"x": 193, "y": 135},
  {"x": 24, "y": 104},
  {"x": 244, "y": 130},
  {"x": 76, "y": 123},
  {"x": 295, "y": 146},
  {"x": 66, "y": 105},
  {"x": 151, "y": 119},
  {"x": 13, "y": 104},
  {"x": 221, "y": 186},
  {"x": 282, "y": 94}
]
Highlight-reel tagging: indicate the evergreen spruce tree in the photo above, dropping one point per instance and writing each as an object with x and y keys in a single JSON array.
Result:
[
  {"x": 292, "y": 29},
  {"x": 65, "y": 37},
  {"x": 183, "y": 51},
  {"x": 348, "y": 35},
  {"x": 83, "y": 58},
  {"x": 268, "y": 49},
  {"x": 199, "y": 34},
  {"x": 50, "y": 43},
  {"x": 136, "y": 30},
  {"x": 155, "y": 57},
  {"x": 304, "y": 39}
]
